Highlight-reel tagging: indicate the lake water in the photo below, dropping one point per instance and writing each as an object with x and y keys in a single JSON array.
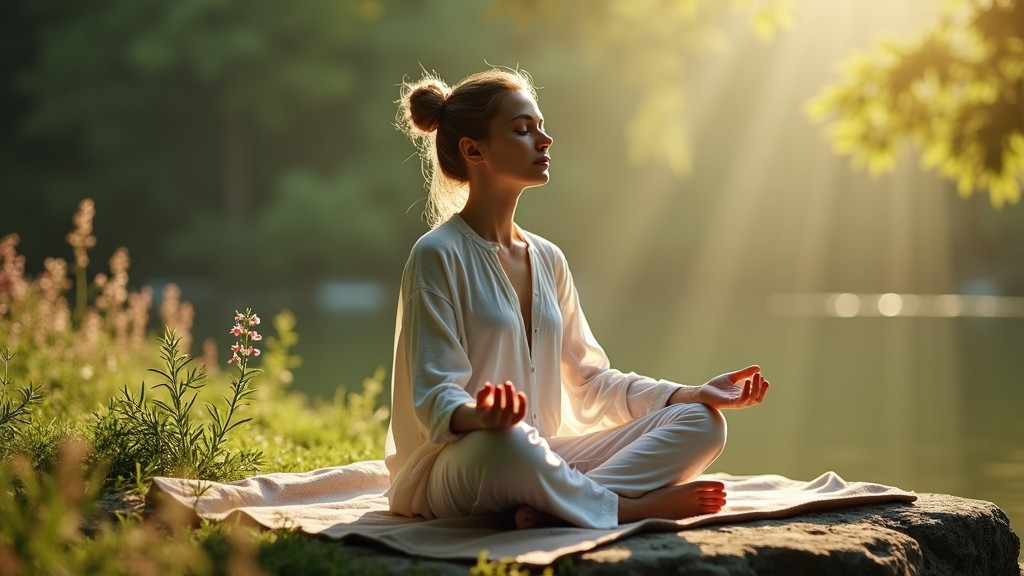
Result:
[{"x": 930, "y": 404}]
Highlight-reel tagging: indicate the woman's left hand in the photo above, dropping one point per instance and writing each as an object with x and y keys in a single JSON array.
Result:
[{"x": 734, "y": 390}]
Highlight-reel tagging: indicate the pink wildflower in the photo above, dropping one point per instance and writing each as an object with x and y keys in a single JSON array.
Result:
[
  {"x": 236, "y": 347},
  {"x": 255, "y": 336},
  {"x": 239, "y": 316},
  {"x": 234, "y": 358},
  {"x": 254, "y": 319},
  {"x": 255, "y": 351},
  {"x": 237, "y": 330}
]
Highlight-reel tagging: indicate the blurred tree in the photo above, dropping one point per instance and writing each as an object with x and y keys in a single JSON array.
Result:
[
  {"x": 159, "y": 109},
  {"x": 957, "y": 91},
  {"x": 314, "y": 223},
  {"x": 658, "y": 39}
]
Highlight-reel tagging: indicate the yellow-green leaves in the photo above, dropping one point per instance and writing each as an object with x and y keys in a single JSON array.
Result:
[{"x": 955, "y": 92}]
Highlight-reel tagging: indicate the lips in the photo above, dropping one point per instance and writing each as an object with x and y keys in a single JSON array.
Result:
[{"x": 543, "y": 160}]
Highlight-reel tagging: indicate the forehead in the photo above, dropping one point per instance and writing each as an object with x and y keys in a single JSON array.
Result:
[{"x": 517, "y": 104}]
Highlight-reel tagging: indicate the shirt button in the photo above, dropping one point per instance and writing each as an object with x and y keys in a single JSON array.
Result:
[{"x": 532, "y": 370}]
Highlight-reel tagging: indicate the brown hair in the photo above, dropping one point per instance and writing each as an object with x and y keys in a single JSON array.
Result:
[{"x": 435, "y": 117}]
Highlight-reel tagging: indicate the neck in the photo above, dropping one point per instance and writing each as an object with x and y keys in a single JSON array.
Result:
[{"x": 490, "y": 213}]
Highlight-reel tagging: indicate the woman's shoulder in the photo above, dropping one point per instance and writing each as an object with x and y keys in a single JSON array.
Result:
[
  {"x": 438, "y": 255},
  {"x": 444, "y": 239},
  {"x": 432, "y": 239}
]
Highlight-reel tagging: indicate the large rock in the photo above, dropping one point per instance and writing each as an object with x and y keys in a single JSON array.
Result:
[{"x": 937, "y": 535}]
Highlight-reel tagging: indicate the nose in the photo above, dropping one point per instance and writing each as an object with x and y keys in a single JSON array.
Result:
[{"x": 545, "y": 141}]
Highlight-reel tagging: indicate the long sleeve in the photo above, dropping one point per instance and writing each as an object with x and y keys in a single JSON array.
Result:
[{"x": 436, "y": 362}]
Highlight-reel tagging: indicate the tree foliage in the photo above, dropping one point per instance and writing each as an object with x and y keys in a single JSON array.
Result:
[{"x": 957, "y": 91}]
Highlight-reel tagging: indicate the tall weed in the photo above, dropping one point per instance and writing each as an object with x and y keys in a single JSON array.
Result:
[{"x": 77, "y": 351}]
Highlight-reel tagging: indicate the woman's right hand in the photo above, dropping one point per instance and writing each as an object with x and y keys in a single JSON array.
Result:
[
  {"x": 499, "y": 406},
  {"x": 496, "y": 407}
]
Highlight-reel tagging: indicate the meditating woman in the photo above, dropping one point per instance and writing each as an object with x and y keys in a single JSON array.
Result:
[{"x": 502, "y": 399}]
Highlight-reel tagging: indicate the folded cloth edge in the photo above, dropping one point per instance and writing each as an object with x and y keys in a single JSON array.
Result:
[{"x": 535, "y": 547}]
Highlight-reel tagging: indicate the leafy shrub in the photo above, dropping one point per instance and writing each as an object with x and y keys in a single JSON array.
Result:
[{"x": 164, "y": 437}]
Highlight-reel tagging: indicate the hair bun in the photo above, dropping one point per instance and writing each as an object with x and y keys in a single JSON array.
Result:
[{"x": 425, "y": 103}]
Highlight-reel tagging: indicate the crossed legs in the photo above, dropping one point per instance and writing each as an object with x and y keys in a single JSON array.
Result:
[{"x": 643, "y": 469}]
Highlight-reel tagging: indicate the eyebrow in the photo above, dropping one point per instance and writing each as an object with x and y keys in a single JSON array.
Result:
[{"x": 525, "y": 116}]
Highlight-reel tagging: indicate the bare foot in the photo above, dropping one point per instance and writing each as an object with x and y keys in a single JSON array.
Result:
[
  {"x": 529, "y": 517},
  {"x": 674, "y": 502}
]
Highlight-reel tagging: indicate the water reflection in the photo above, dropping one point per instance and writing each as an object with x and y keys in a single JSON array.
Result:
[{"x": 848, "y": 305}]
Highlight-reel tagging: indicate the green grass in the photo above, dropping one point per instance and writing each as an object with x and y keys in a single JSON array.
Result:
[{"x": 60, "y": 458}]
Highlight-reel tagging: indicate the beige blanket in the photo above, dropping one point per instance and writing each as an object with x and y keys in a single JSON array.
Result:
[{"x": 348, "y": 500}]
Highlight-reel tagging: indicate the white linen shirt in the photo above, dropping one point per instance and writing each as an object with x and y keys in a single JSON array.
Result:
[{"x": 459, "y": 325}]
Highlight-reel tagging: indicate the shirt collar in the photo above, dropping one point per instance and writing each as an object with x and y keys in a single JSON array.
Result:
[{"x": 460, "y": 225}]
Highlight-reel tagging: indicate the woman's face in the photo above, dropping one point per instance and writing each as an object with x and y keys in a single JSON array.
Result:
[{"x": 517, "y": 149}]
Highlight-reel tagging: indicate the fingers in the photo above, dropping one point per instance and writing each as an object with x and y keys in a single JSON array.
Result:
[
  {"x": 744, "y": 374},
  {"x": 764, "y": 388},
  {"x": 744, "y": 399},
  {"x": 485, "y": 396},
  {"x": 753, "y": 391},
  {"x": 500, "y": 406},
  {"x": 521, "y": 411},
  {"x": 754, "y": 386},
  {"x": 509, "y": 396},
  {"x": 757, "y": 386}
]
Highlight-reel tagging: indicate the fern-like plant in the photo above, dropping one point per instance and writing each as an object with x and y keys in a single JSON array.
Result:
[{"x": 15, "y": 413}]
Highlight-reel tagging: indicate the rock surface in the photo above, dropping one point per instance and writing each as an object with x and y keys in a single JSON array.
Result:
[{"x": 937, "y": 535}]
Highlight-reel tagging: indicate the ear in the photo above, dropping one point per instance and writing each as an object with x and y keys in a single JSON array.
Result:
[{"x": 472, "y": 151}]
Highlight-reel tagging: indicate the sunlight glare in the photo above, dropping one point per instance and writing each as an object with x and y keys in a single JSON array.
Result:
[
  {"x": 844, "y": 305},
  {"x": 890, "y": 304}
]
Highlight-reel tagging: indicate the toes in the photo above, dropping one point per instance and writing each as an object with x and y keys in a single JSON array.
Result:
[
  {"x": 524, "y": 518},
  {"x": 527, "y": 517}
]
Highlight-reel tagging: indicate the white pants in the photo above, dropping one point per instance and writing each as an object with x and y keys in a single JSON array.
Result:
[{"x": 577, "y": 479}]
